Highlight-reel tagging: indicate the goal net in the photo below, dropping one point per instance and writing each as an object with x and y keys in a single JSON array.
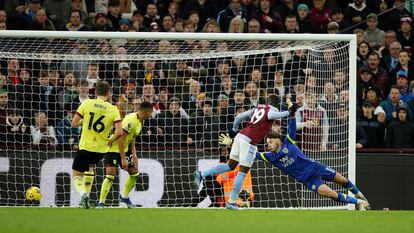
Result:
[{"x": 197, "y": 84}]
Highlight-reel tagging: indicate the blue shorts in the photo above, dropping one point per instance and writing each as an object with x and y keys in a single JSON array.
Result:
[{"x": 319, "y": 175}]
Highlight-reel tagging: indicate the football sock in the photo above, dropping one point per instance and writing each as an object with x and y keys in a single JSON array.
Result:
[
  {"x": 129, "y": 184},
  {"x": 238, "y": 182},
  {"x": 218, "y": 169},
  {"x": 106, "y": 186},
  {"x": 351, "y": 187},
  {"x": 88, "y": 181},
  {"x": 77, "y": 181},
  {"x": 347, "y": 199}
]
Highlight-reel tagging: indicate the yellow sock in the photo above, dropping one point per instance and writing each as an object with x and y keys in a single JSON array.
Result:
[
  {"x": 88, "y": 181},
  {"x": 106, "y": 186},
  {"x": 77, "y": 181},
  {"x": 129, "y": 184}
]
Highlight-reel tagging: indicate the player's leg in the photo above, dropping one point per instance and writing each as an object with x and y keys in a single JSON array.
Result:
[
  {"x": 92, "y": 159},
  {"x": 230, "y": 165},
  {"x": 130, "y": 181},
  {"x": 79, "y": 166},
  {"x": 222, "y": 167},
  {"x": 318, "y": 185},
  {"x": 110, "y": 162},
  {"x": 347, "y": 184},
  {"x": 77, "y": 181},
  {"x": 326, "y": 191},
  {"x": 247, "y": 155}
]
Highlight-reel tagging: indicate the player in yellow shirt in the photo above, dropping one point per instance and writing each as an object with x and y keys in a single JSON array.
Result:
[
  {"x": 123, "y": 153},
  {"x": 96, "y": 117}
]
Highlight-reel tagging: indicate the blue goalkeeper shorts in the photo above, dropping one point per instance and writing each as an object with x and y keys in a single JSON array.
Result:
[{"x": 319, "y": 175}]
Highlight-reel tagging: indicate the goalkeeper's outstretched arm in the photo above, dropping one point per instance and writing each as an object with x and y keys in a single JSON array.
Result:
[{"x": 292, "y": 130}]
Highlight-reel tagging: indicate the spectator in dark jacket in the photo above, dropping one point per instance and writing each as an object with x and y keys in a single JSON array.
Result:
[
  {"x": 114, "y": 13},
  {"x": 173, "y": 126},
  {"x": 380, "y": 75},
  {"x": 339, "y": 17},
  {"x": 370, "y": 125},
  {"x": 406, "y": 36},
  {"x": 206, "y": 8},
  {"x": 41, "y": 22},
  {"x": 287, "y": 7},
  {"x": 361, "y": 138},
  {"x": 206, "y": 125},
  {"x": 65, "y": 133},
  {"x": 401, "y": 132},
  {"x": 295, "y": 67},
  {"x": 232, "y": 10},
  {"x": 75, "y": 22},
  {"x": 365, "y": 83},
  {"x": 357, "y": 12},
  {"x": 151, "y": 16},
  {"x": 26, "y": 14},
  {"x": 305, "y": 22},
  {"x": 270, "y": 21},
  {"x": 17, "y": 129}
]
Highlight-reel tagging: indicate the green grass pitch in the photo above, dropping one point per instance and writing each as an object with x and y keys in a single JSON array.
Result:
[{"x": 111, "y": 220}]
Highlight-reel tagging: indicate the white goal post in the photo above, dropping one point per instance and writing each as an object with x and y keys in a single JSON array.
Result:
[{"x": 195, "y": 70}]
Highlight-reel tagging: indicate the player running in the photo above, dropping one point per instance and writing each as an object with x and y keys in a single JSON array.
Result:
[
  {"x": 290, "y": 159},
  {"x": 244, "y": 147},
  {"x": 123, "y": 153},
  {"x": 96, "y": 117}
]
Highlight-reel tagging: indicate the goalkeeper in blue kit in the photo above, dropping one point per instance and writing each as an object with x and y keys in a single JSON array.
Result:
[{"x": 286, "y": 156}]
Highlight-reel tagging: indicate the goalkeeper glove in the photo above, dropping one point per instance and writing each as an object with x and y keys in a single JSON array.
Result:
[
  {"x": 293, "y": 108},
  {"x": 225, "y": 140}
]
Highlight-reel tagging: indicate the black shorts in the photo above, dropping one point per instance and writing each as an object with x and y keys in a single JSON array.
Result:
[
  {"x": 84, "y": 158},
  {"x": 114, "y": 159}
]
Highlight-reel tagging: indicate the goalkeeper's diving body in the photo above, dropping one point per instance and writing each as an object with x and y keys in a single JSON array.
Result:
[
  {"x": 287, "y": 157},
  {"x": 260, "y": 120}
]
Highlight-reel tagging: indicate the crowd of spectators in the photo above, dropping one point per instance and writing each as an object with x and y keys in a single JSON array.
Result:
[{"x": 194, "y": 100}]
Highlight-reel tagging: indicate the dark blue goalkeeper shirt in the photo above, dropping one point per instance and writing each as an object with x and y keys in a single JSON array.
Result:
[{"x": 290, "y": 159}]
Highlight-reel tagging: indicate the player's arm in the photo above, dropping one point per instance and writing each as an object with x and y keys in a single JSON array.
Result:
[
  {"x": 265, "y": 156},
  {"x": 78, "y": 118},
  {"x": 116, "y": 135},
  {"x": 133, "y": 150},
  {"x": 121, "y": 147},
  {"x": 273, "y": 114},
  {"x": 242, "y": 116},
  {"x": 292, "y": 130}
]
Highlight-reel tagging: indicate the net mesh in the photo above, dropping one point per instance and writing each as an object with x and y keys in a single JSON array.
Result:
[{"x": 197, "y": 87}]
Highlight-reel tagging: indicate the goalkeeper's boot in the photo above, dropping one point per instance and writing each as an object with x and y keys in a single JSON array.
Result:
[
  {"x": 127, "y": 202},
  {"x": 85, "y": 201},
  {"x": 363, "y": 205},
  {"x": 232, "y": 206},
  {"x": 198, "y": 180},
  {"x": 100, "y": 205}
]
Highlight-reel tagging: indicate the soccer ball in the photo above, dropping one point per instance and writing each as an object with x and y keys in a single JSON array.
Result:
[{"x": 33, "y": 194}]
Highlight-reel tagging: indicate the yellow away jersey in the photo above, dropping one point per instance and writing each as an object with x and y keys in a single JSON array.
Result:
[
  {"x": 98, "y": 117},
  {"x": 131, "y": 125}
]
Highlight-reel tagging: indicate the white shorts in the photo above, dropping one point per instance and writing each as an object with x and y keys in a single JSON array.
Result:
[{"x": 242, "y": 151}]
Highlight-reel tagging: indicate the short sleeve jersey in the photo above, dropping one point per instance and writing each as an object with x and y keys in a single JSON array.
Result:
[
  {"x": 132, "y": 126},
  {"x": 98, "y": 117}
]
